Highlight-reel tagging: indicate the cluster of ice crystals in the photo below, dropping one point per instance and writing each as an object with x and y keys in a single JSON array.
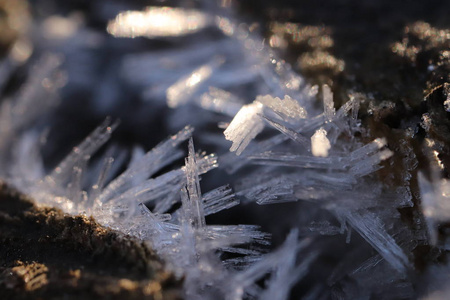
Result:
[
  {"x": 284, "y": 149},
  {"x": 245, "y": 126},
  {"x": 283, "y": 270},
  {"x": 286, "y": 108}
]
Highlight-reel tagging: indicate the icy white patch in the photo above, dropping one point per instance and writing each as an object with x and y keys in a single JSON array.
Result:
[
  {"x": 294, "y": 132},
  {"x": 320, "y": 145},
  {"x": 158, "y": 22},
  {"x": 286, "y": 108},
  {"x": 220, "y": 101},
  {"x": 245, "y": 126},
  {"x": 60, "y": 28},
  {"x": 193, "y": 206},
  {"x": 180, "y": 92},
  {"x": 328, "y": 103}
]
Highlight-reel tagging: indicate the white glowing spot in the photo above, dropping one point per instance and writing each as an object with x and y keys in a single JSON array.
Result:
[
  {"x": 245, "y": 126},
  {"x": 220, "y": 101},
  {"x": 225, "y": 25},
  {"x": 320, "y": 143},
  {"x": 22, "y": 50},
  {"x": 181, "y": 91},
  {"x": 287, "y": 107},
  {"x": 426, "y": 121},
  {"x": 430, "y": 142},
  {"x": 57, "y": 27},
  {"x": 158, "y": 22},
  {"x": 196, "y": 78},
  {"x": 380, "y": 142},
  {"x": 276, "y": 41},
  {"x": 438, "y": 160}
]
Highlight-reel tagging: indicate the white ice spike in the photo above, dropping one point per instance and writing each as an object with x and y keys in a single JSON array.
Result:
[{"x": 193, "y": 204}]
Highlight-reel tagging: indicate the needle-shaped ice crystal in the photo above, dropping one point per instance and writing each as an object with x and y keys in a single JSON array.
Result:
[
  {"x": 220, "y": 101},
  {"x": 83, "y": 151},
  {"x": 163, "y": 154},
  {"x": 219, "y": 199},
  {"x": 286, "y": 108},
  {"x": 328, "y": 103},
  {"x": 245, "y": 126},
  {"x": 181, "y": 91},
  {"x": 193, "y": 204}
]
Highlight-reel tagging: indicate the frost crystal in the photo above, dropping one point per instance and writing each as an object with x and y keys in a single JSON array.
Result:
[
  {"x": 245, "y": 126},
  {"x": 319, "y": 143},
  {"x": 328, "y": 104},
  {"x": 194, "y": 196},
  {"x": 287, "y": 108},
  {"x": 182, "y": 90},
  {"x": 220, "y": 101},
  {"x": 219, "y": 199},
  {"x": 19, "y": 112},
  {"x": 342, "y": 213},
  {"x": 83, "y": 152}
]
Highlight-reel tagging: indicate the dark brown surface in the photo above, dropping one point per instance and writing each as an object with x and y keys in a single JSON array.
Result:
[{"x": 45, "y": 254}]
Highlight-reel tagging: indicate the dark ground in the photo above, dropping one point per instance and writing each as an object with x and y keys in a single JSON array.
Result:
[{"x": 46, "y": 254}]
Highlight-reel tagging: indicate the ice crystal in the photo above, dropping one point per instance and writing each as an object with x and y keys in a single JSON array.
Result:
[
  {"x": 284, "y": 148},
  {"x": 328, "y": 104},
  {"x": 157, "y": 21},
  {"x": 245, "y": 126},
  {"x": 436, "y": 209},
  {"x": 182, "y": 90},
  {"x": 287, "y": 108},
  {"x": 220, "y": 101},
  {"x": 319, "y": 143},
  {"x": 20, "y": 112}
]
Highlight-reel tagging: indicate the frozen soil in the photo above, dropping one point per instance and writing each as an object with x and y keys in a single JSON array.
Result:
[{"x": 46, "y": 254}]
